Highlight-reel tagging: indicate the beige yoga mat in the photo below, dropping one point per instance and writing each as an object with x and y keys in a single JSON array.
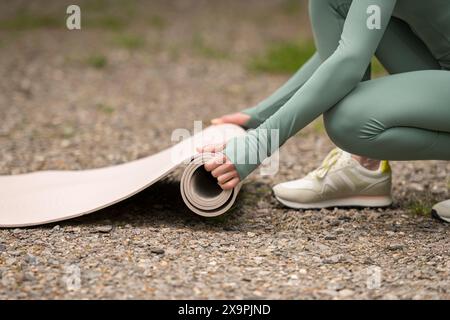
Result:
[{"x": 48, "y": 196}]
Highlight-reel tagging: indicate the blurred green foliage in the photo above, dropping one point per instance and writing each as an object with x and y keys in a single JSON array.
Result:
[
  {"x": 288, "y": 57},
  {"x": 203, "y": 49},
  {"x": 157, "y": 22},
  {"x": 318, "y": 125},
  {"x": 97, "y": 61},
  {"x": 377, "y": 68},
  {"x": 291, "y": 6},
  {"x": 125, "y": 6},
  {"x": 129, "y": 41},
  {"x": 285, "y": 57},
  {"x": 420, "y": 207},
  {"x": 24, "y": 20},
  {"x": 68, "y": 131},
  {"x": 105, "y": 108},
  {"x": 107, "y": 22}
]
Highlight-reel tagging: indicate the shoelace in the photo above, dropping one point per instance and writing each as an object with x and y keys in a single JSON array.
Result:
[{"x": 328, "y": 163}]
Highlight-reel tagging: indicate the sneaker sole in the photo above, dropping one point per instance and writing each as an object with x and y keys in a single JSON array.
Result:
[
  {"x": 344, "y": 202},
  {"x": 436, "y": 215}
]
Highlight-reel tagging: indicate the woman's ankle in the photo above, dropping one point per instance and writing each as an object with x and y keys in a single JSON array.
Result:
[{"x": 370, "y": 164}]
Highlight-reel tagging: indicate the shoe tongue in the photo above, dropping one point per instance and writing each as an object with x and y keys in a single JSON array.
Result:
[
  {"x": 333, "y": 158},
  {"x": 345, "y": 155}
]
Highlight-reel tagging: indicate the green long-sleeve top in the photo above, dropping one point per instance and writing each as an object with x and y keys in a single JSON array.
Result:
[{"x": 333, "y": 79}]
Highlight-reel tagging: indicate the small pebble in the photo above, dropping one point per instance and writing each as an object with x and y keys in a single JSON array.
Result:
[
  {"x": 345, "y": 293},
  {"x": 104, "y": 229},
  {"x": 27, "y": 276},
  {"x": 333, "y": 259},
  {"x": 157, "y": 251},
  {"x": 395, "y": 246},
  {"x": 31, "y": 259}
]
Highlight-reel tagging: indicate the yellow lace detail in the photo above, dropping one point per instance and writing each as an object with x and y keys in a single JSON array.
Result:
[{"x": 329, "y": 161}]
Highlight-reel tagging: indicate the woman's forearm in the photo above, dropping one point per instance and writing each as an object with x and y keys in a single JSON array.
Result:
[{"x": 269, "y": 106}]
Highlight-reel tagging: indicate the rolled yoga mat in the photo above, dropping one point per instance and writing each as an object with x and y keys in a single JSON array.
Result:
[
  {"x": 49, "y": 196},
  {"x": 200, "y": 190}
]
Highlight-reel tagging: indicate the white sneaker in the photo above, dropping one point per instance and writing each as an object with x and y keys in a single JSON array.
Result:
[
  {"x": 442, "y": 210},
  {"x": 339, "y": 182}
]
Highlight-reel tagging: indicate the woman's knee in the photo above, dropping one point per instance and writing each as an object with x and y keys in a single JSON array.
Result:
[{"x": 343, "y": 125}]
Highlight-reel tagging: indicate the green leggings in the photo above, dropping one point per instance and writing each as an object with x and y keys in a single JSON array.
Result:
[{"x": 404, "y": 116}]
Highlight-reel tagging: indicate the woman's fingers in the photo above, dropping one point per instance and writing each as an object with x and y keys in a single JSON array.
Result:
[
  {"x": 213, "y": 148},
  {"x": 222, "y": 169},
  {"x": 215, "y": 162},
  {"x": 230, "y": 184},
  {"x": 220, "y": 166},
  {"x": 217, "y": 121},
  {"x": 238, "y": 118},
  {"x": 227, "y": 176}
]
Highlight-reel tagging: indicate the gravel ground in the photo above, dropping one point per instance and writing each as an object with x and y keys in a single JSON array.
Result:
[{"x": 63, "y": 108}]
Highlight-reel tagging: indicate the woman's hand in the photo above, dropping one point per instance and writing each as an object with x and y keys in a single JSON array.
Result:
[
  {"x": 237, "y": 118},
  {"x": 221, "y": 167}
]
